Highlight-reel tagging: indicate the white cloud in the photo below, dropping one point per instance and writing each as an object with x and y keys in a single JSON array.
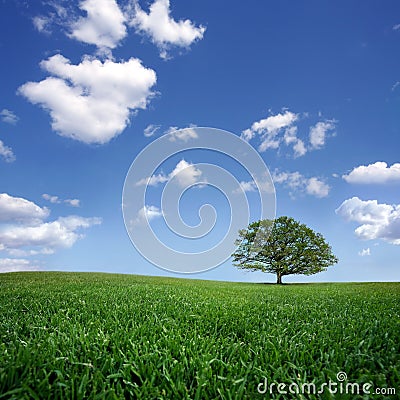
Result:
[
  {"x": 51, "y": 199},
  {"x": 268, "y": 142},
  {"x": 41, "y": 23},
  {"x": 296, "y": 182},
  {"x": 23, "y": 230},
  {"x": 154, "y": 180},
  {"x": 395, "y": 86},
  {"x": 378, "y": 172},
  {"x": 280, "y": 129},
  {"x": 396, "y": 27},
  {"x": 290, "y": 138},
  {"x": 317, "y": 188},
  {"x": 163, "y": 30},
  {"x": 319, "y": 133},
  {"x": 17, "y": 209},
  {"x": 365, "y": 212},
  {"x": 268, "y": 129},
  {"x": 247, "y": 134},
  {"x": 92, "y": 101},
  {"x": 104, "y": 25},
  {"x": 57, "y": 200},
  {"x": 150, "y": 212},
  {"x": 377, "y": 221},
  {"x": 59, "y": 14},
  {"x": 73, "y": 222},
  {"x": 6, "y": 153},
  {"x": 365, "y": 252},
  {"x": 47, "y": 236},
  {"x": 186, "y": 175},
  {"x": 17, "y": 264},
  {"x": 184, "y": 134},
  {"x": 299, "y": 148},
  {"x": 274, "y": 123},
  {"x": 26, "y": 253},
  {"x": 290, "y": 135},
  {"x": 147, "y": 213},
  {"x": 73, "y": 202},
  {"x": 293, "y": 180},
  {"x": 264, "y": 185},
  {"x": 8, "y": 116},
  {"x": 150, "y": 130},
  {"x": 249, "y": 186}
]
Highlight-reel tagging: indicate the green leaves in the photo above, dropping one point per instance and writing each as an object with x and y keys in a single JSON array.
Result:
[{"x": 284, "y": 247}]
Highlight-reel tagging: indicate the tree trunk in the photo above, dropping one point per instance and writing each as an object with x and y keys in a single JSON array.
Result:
[{"x": 279, "y": 278}]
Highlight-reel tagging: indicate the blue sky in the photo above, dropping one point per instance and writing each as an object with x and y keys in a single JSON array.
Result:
[{"x": 313, "y": 86}]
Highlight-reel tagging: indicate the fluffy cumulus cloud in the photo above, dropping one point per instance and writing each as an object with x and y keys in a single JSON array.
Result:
[
  {"x": 317, "y": 188},
  {"x": 281, "y": 129},
  {"x": 17, "y": 264},
  {"x": 162, "y": 29},
  {"x": 20, "y": 210},
  {"x": 8, "y": 116},
  {"x": 97, "y": 22},
  {"x": 319, "y": 133},
  {"x": 185, "y": 173},
  {"x": 6, "y": 153},
  {"x": 376, "y": 220},
  {"x": 24, "y": 230},
  {"x": 297, "y": 183},
  {"x": 103, "y": 25},
  {"x": 47, "y": 236},
  {"x": 376, "y": 173},
  {"x": 268, "y": 129},
  {"x": 91, "y": 101}
]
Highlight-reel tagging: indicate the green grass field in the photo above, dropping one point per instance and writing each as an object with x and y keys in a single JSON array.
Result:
[{"x": 81, "y": 335}]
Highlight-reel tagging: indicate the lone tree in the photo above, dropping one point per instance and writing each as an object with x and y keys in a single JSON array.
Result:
[{"x": 284, "y": 247}]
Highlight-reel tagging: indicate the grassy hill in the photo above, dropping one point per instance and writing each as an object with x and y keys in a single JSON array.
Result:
[{"x": 90, "y": 335}]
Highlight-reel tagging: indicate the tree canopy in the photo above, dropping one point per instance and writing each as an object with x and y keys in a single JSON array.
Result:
[{"x": 284, "y": 247}]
